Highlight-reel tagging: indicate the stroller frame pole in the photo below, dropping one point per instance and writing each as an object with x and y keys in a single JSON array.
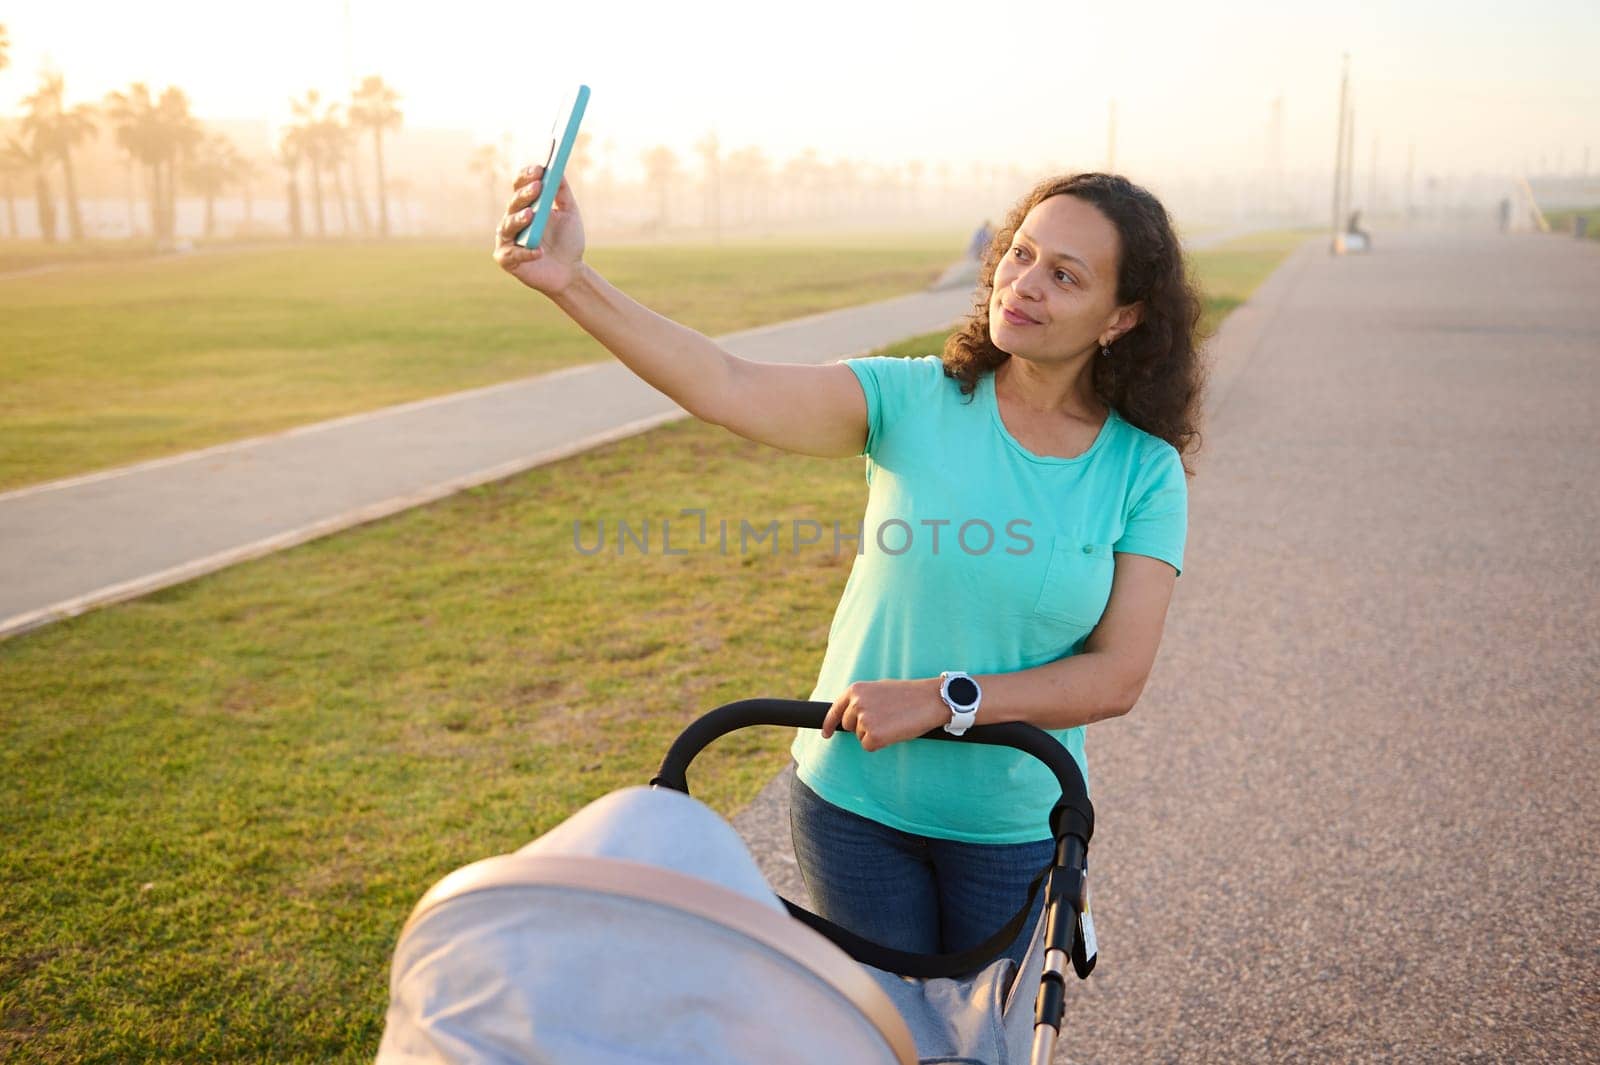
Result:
[
  {"x": 1044, "y": 1045},
  {"x": 1064, "y": 892}
]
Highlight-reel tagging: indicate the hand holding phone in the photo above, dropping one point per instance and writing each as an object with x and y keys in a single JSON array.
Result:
[
  {"x": 540, "y": 239},
  {"x": 563, "y": 134}
]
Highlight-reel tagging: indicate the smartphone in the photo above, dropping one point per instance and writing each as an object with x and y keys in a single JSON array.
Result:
[{"x": 563, "y": 134}]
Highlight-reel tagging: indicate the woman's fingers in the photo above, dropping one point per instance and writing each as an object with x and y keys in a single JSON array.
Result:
[
  {"x": 515, "y": 223},
  {"x": 507, "y": 252},
  {"x": 511, "y": 256},
  {"x": 519, "y": 212},
  {"x": 526, "y": 174},
  {"x": 525, "y": 196},
  {"x": 841, "y": 715},
  {"x": 527, "y": 190}
]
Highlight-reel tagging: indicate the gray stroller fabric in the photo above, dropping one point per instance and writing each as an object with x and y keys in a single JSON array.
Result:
[
  {"x": 986, "y": 1017},
  {"x": 641, "y": 930}
]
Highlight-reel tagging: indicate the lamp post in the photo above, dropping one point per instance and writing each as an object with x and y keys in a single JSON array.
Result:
[
  {"x": 1111, "y": 140},
  {"x": 1336, "y": 239}
]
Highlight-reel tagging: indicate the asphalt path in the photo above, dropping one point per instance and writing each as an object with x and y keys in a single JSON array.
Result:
[{"x": 1354, "y": 816}]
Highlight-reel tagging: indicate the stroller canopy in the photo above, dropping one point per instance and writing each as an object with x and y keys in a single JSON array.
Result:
[{"x": 640, "y": 930}]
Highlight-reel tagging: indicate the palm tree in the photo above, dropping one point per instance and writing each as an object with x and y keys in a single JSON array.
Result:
[
  {"x": 487, "y": 162},
  {"x": 55, "y": 131},
  {"x": 604, "y": 185},
  {"x": 915, "y": 172},
  {"x": 30, "y": 160},
  {"x": 358, "y": 193},
  {"x": 311, "y": 146},
  {"x": 372, "y": 108},
  {"x": 333, "y": 141},
  {"x": 711, "y": 163},
  {"x": 177, "y": 136},
  {"x": 799, "y": 180},
  {"x": 130, "y": 189},
  {"x": 403, "y": 188},
  {"x": 751, "y": 176},
  {"x": 215, "y": 166},
  {"x": 156, "y": 133},
  {"x": 244, "y": 173},
  {"x": 133, "y": 114},
  {"x": 842, "y": 189},
  {"x": 291, "y": 152},
  {"x": 11, "y": 165},
  {"x": 661, "y": 170}
]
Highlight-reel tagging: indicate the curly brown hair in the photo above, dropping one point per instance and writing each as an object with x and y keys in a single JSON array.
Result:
[{"x": 1155, "y": 377}]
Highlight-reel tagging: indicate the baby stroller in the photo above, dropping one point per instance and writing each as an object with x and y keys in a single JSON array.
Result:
[{"x": 642, "y": 930}]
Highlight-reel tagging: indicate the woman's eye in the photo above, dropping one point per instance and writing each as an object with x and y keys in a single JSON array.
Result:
[
  {"x": 1064, "y": 277},
  {"x": 1017, "y": 252}
]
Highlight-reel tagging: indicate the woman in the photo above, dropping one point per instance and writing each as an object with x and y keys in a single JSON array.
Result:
[{"x": 1024, "y": 530}]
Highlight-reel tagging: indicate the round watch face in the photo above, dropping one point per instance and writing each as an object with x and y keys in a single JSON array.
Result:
[{"x": 963, "y": 691}]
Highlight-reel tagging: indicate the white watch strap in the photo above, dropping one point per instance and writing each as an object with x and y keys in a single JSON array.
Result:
[{"x": 960, "y": 720}]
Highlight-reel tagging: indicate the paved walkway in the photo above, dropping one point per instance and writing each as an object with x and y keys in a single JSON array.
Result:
[{"x": 1354, "y": 816}]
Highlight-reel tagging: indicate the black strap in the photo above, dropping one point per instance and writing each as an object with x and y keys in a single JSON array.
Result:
[{"x": 922, "y": 966}]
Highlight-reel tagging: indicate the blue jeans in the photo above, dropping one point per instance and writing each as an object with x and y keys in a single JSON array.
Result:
[{"x": 909, "y": 892}]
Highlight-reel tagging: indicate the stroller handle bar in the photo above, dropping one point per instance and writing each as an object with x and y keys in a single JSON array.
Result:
[
  {"x": 1071, "y": 825},
  {"x": 1073, "y": 814}
]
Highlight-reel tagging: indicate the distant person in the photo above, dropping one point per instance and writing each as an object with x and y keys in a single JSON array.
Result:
[
  {"x": 1026, "y": 515},
  {"x": 980, "y": 240},
  {"x": 1362, "y": 239},
  {"x": 1505, "y": 214}
]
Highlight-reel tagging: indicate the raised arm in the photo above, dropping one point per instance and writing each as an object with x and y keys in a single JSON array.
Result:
[{"x": 813, "y": 410}]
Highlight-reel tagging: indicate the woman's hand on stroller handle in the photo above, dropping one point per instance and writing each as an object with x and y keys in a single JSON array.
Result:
[
  {"x": 886, "y": 712},
  {"x": 1073, "y": 813}
]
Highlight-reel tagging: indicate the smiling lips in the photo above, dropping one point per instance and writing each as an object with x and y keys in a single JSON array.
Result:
[{"x": 1014, "y": 318}]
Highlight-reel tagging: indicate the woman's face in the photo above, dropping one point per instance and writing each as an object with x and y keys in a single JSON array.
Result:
[{"x": 1055, "y": 289}]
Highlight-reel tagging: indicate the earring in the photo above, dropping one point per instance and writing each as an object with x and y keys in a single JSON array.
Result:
[{"x": 1105, "y": 351}]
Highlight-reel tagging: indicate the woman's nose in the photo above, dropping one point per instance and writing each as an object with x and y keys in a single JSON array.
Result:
[{"x": 1027, "y": 284}]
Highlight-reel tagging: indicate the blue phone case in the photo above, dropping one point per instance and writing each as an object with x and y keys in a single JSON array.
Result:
[{"x": 554, "y": 166}]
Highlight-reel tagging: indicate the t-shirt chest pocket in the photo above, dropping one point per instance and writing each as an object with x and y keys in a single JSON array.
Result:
[{"x": 1077, "y": 583}]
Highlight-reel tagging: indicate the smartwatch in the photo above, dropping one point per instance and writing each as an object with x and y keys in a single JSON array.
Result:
[{"x": 962, "y": 695}]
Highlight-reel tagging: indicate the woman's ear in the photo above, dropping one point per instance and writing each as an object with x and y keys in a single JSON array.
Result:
[{"x": 1126, "y": 319}]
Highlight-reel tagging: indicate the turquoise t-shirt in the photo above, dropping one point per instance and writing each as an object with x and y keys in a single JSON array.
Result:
[{"x": 976, "y": 555}]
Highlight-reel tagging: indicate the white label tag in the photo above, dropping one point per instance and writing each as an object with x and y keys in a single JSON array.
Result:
[{"x": 1090, "y": 946}]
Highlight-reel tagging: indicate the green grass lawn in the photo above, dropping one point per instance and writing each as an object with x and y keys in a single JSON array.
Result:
[
  {"x": 1229, "y": 273},
  {"x": 33, "y": 254},
  {"x": 222, "y": 799},
  {"x": 1565, "y": 221},
  {"x": 111, "y": 362}
]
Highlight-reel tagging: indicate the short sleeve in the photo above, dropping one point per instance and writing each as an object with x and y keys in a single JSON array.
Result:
[
  {"x": 1157, "y": 522},
  {"x": 891, "y": 384}
]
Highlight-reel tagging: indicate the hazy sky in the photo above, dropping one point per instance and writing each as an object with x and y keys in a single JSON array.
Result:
[{"x": 1474, "y": 85}]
